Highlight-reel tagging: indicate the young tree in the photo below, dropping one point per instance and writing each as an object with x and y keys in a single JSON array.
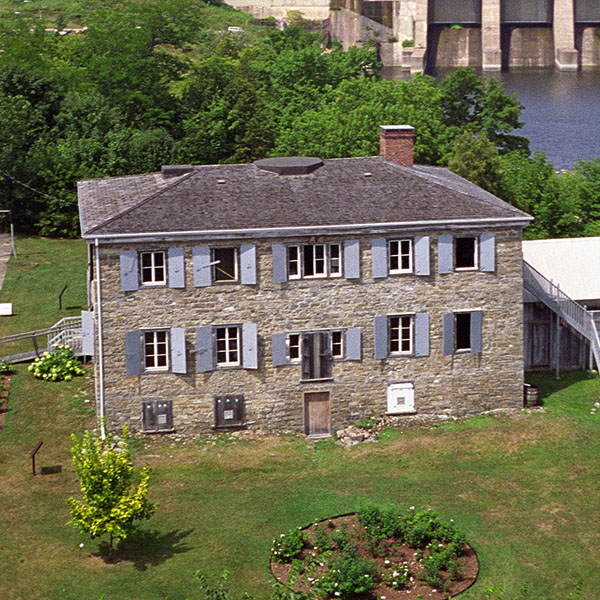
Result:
[{"x": 110, "y": 505}]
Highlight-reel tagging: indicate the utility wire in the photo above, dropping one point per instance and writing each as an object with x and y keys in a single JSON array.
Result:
[{"x": 25, "y": 185}]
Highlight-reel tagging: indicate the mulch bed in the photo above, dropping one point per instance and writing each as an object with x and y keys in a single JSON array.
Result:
[
  {"x": 468, "y": 562},
  {"x": 4, "y": 389}
]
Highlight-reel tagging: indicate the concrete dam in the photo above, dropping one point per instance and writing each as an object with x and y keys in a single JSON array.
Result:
[{"x": 419, "y": 35}]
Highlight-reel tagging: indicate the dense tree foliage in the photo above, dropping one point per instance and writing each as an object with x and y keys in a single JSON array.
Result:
[{"x": 162, "y": 81}]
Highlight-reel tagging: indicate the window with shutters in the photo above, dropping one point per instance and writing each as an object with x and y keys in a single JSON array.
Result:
[
  {"x": 224, "y": 264},
  {"x": 153, "y": 268},
  {"x": 400, "y": 335},
  {"x": 335, "y": 344},
  {"x": 156, "y": 350},
  {"x": 228, "y": 346},
  {"x": 400, "y": 256},
  {"x": 465, "y": 253},
  {"x": 157, "y": 416},
  {"x": 293, "y": 347},
  {"x": 462, "y": 331},
  {"x": 311, "y": 261}
]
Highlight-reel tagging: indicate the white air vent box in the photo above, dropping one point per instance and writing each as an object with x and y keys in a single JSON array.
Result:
[{"x": 400, "y": 398}]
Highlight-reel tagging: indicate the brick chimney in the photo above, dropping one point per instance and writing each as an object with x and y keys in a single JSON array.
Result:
[{"x": 396, "y": 143}]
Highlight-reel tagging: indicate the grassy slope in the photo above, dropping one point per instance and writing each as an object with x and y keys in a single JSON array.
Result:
[
  {"x": 525, "y": 490},
  {"x": 33, "y": 282}
]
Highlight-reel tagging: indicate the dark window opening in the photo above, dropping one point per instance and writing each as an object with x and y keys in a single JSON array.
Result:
[
  {"x": 153, "y": 268},
  {"x": 337, "y": 344},
  {"x": 225, "y": 267},
  {"x": 463, "y": 331},
  {"x": 465, "y": 253}
]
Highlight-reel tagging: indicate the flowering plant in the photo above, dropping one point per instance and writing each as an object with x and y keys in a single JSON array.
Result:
[
  {"x": 60, "y": 365},
  {"x": 288, "y": 545},
  {"x": 398, "y": 577}
]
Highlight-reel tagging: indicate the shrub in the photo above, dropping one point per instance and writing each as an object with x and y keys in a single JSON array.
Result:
[
  {"x": 60, "y": 365},
  {"x": 6, "y": 368},
  {"x": 408, "y": 43},
  {"x": 349, "y": 575},
  {"x": 288, "y": 545},
  {"x": 380, "y": 523},
  {"x": 398, "y": 577}
]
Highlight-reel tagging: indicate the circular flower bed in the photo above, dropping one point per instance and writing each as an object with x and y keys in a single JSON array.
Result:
[{"x": 376, "y": 552}]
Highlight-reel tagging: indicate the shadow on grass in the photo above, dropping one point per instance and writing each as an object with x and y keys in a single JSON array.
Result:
[
  {"x": 548, "y": 384},
  {"x": 147, "y": 548}
]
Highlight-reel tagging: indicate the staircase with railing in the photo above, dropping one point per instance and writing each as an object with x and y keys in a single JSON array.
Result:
[{"x": 571, "y": 312}]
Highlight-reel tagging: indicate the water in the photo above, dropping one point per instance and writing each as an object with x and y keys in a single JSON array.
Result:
[{"x": 561, "y": 112}]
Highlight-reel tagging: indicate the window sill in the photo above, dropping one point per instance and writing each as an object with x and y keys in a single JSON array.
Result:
[
  {"x": 155, "y": 371},
  {"x": 155, "y": 431},
  {"x": 463, "y": 269},
  {"x": 145, "y": 286},
  {"x": 324, "y": 379},
  {"x": 399, "y": 413}
]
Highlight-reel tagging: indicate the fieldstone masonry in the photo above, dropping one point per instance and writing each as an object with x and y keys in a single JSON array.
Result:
[{"x": 460, "y": 384}]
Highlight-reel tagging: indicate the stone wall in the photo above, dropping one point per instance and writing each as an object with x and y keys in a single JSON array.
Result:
[
  {"x": 455, "y": 47},
  {"x": 453, "y": 385},
  {"x": 317, "y": 10},
  {"x": 528, "y": 46}
]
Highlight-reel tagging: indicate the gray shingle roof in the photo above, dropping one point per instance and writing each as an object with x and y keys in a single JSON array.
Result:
[{"x": 241, "y": 197}]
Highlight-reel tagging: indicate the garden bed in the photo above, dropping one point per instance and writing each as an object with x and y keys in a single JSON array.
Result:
[{"x": 394, "y": 568}]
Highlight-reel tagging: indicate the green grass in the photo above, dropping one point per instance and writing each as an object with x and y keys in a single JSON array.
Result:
[
  {"x": 525, "y": 489},
  {"x": 33, "y": 282}
]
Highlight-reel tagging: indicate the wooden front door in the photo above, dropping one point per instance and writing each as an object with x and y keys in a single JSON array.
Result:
[{"x": 317, "y": 413}]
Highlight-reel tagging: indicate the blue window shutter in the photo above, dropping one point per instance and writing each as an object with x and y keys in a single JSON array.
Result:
[
  {"x": 279, "y": 263},
  {"x": 476, "y": 323},
  {"x": 487, "y": 252},
  {"x": 279, "y": 349},
  {"x": 381, "y": 337},
  {"x": 249, "y": 346},
  {"x": 130, "y": 279},
  {"x": 379, "y": 257},
  {"x": 87, "y": 333},
  {"x": 445, "y": 254},
  {"x": 176, "y": 267},
  {"x": 421, "y": 253},
  {"x": 448, "y": 334},
  {"x": 353, "y": 349},
  {"x": 178, "y": 364},
  {"x": 248, "y": 264},
  {"x": 422, "y": 334},
  {"x": 351, "y": 259},
  {"x": 202, "y": 268},
  {"x": 134, "y": 358},
  {"x": 204, "y": 349}
]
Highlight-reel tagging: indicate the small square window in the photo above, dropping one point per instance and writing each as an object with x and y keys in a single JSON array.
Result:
[
  {"x": 225, "y": 264},
  {"x": 465, "y": 253},
  {"x": 401, "y": 335},
  {"x": 228, "y": 346},
  {"x": 153, "y": 268},
  {"x": 463, "y": 331},
  {"x": 156, "y": 350},
  {"x": 400, "y": 256}
]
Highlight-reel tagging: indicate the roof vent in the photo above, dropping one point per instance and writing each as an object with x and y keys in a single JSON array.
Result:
[
  {"x": 367, "y": 174},
  {"x": 290, "y": 165},
  {"x": 220, "y": 181},
  {"x": 175, "y": 170}
]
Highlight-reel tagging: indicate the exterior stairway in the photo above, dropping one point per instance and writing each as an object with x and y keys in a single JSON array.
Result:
[{"x": 572, "y": 313}]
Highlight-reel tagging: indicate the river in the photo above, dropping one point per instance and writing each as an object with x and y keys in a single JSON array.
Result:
[{"x": 561, "y": 112}]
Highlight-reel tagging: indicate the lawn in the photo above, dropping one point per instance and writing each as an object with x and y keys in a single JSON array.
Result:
[
  {"x": 33, "y": 282},
  {"x": 525, "y": 489}
]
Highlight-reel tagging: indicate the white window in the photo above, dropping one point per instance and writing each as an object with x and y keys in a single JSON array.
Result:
[
  {"x": 337, "y": 344},
  {"x": 224, "y": 264},
  {"x": 153, "y": 267},
  {"x": 228, "y": 346},
  {"x": 293, "y": 347},
  {"x": 400, "y": 335},
  {"x": 465, "y": 253},
  {"x": 156, "y": 350},
  {"x": 311, "y": 261},
  {"x": 400, "y": 256}
]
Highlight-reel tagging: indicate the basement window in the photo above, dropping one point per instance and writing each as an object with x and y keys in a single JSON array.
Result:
[{"x": 157, "y": 416}]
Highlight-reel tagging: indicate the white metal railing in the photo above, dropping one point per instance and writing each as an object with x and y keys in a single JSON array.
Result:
[
  {"x": 67, "y": 332},
  {"x": 573, "y": 313}
]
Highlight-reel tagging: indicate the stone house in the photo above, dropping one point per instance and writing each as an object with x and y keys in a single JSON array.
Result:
[{"x": 302, "y": 294}]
